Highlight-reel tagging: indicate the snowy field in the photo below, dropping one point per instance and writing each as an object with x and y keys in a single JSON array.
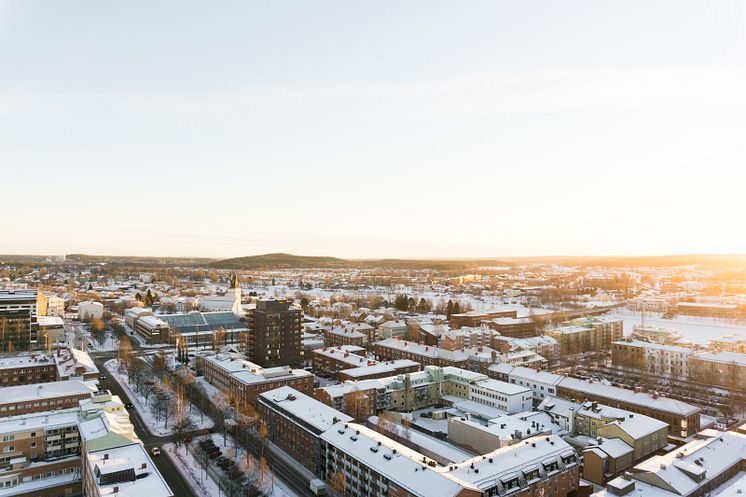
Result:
[
  {"x": 694, "y": 328},
  {"x": 153, "y": 425}
]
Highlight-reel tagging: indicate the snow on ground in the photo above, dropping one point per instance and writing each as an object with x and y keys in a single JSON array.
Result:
[
  {"x": 110, "y": 343},
  {"x": 154, "y": 426},
  {"x": 694, "y": 328},
  {"x": 192, "y": 471},
  {"x": 201, "y": 481}
]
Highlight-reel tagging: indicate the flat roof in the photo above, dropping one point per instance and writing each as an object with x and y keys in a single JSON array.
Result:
[{"x": 149, "y": 482}]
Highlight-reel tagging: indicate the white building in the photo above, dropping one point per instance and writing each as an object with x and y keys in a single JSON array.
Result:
[{"x": 90, "y": 309}]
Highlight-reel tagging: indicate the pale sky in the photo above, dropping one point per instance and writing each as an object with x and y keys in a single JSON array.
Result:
[{"x": 373, "y": 129}]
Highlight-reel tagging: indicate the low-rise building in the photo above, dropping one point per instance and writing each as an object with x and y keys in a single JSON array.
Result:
[
  {"x": 243, "y": 381},
  {"x": 90, "y": 309},
  {"x": 328, "y": 361},
  {"x": 654, "y": 359},
  {"x": 682, "y": 418},
  {"x": 124, "y": 471},
  {"x": 27, "y": 399},
  {"x": 712, "y": 463}
]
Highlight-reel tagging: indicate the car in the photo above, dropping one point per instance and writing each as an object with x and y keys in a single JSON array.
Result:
[
  {"x": 214, "y": 454},
  {"x": 188, "y": 439},
  {"x": 102, "y": 377},
  {"x": 155, "y": 451},
  {"x": 220, "y": 460},
  {"x": 128, "y": 405}
]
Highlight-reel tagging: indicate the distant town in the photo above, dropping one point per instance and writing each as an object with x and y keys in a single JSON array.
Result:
[{"x": 288, "y": 376}]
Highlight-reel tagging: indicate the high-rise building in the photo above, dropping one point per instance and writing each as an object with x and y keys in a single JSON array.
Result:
[
  {"x": 18, "y": 323},
  {"x": 276, "y": 332}
]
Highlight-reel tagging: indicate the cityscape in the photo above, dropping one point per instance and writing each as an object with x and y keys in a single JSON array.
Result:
[
  {"x": 283, "y": 375},
  {"x": 340, "y": 248}
]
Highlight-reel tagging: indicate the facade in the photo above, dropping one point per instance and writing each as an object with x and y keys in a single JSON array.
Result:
[
  {"x": 49, "y": 306},
  {"x": 656, "y": 359},
  {"x": 707, "y": 309},
  {"x": 90, "y": 310},
  {"x": 31, "y": 368},
  {"x": 276, "y": 330},
  {"x": 328, "y": 361},
  {"x": 295, "y": 423},
  {"x": 28, "y": 399},
  {"x": 243, "y": 381},
  {"x": 723, "y": 369},
  {"x": 51, "y": 331},
  {"x": 591, "y": 334},
  {"x": 18, "y": 323},
  {"x": 682, "y": 418},
  {"x": 475, "y": 318},
  {"x": 344, "y": 335},
  {"x": 514, "y": 327}
]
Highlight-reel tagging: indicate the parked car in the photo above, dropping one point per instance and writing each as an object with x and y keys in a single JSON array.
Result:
[
  {"x": 220, "y": 460},
  {"x": 214, "y": 454},
  {"x": 155, "y": 451},
  {"x": 128, "y": 405}
]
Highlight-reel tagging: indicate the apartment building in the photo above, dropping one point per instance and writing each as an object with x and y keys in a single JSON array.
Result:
[
  {"x": 276, "y": 331},
  {"x": 344, "y": 335},
  {"x": 711, "y": 464},
  {"x": 328, "y": 361},
  {"x": 243, "y": 381},
  {"x": 472, "y": 391},
  {"x": 32, "y": 367},
  {"x": 514, "y": 327},
  {"x": 655, "y": 359},
  {"x": 723, "y": 369},
  {"x": 295, "y": 422},
  {"x": 682, "y": 418},
  {"x": 374, "y": 465},
  {"x": 379, "y": 370},
  {"x": 123, "y": 471},
  {"x": 18, "y": 322},
  {"x": 591, "y": 334},
  {"x": 49, "y": 305},
  {"x": 734, "y": 342},
  {"x": 475, "y": 358},
  {"x": 476, "y": 318},
  {"x": 27, "y": 399}
]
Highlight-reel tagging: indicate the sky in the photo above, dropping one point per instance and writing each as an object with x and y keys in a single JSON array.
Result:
[{"x": 373, "y": 129}]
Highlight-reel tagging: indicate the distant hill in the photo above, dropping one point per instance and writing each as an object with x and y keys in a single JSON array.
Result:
[
  {"x": 289, "y": 261},
  {"x": 279, "y": 260}
]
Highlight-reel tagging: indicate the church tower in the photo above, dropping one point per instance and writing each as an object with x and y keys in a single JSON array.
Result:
[{"x": 234, "y": 288}]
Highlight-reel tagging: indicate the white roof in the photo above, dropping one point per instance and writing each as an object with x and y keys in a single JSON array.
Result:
[
  {"x": 308, "y": 409},
  {"x": 506, "y": 463},
  {"x": 398, "y": 463},
  {"x": 149, "y": 481},
  {"x": 684, "y": 471},
  {"x": 43, "y": 421},
  {"x": 21, "y": 393}
]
